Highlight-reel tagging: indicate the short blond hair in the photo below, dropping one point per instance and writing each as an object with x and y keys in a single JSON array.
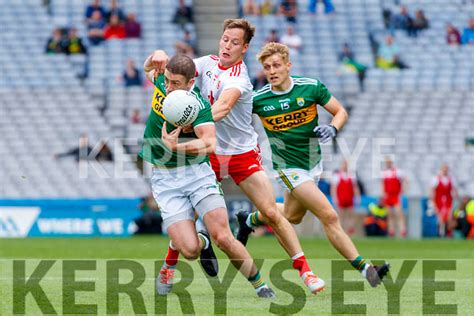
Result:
[
  {"x": 273, "y": 48},
  {"x": 246, "y": 26}
]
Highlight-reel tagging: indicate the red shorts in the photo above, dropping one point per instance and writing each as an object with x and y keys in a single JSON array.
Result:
[
  {"x": 391, "y": 200},
  {"x": 444, "y": 210},
  {"x": 238, "y": 167},
  {"x": 345, "y": 203}
]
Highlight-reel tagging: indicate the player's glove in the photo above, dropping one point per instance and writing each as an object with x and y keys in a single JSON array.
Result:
[{"x": 325, "y": 133}]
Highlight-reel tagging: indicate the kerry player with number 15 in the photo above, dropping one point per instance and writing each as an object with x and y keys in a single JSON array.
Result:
[{"x": 287, "y": 107}]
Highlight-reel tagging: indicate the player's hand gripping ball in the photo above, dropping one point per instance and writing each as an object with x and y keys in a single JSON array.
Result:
[{"x": 181, "y": 108}]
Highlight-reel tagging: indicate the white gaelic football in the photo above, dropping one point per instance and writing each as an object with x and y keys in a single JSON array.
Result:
[{"x": 181, "y": 107}]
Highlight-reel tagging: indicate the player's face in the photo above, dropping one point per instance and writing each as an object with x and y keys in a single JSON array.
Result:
[
  {"x": 277, "y": 71},
  {"x": 444, "y": 170},
  {"x": 232, "y": 47},
  {"x": 176, "y": 82}
]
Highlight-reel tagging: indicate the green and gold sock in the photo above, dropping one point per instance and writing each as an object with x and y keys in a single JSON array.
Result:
[
  {"x": 257, "y": 281},
  {"x": 253, "y": 220},
  {"x": 359, "y": 263}
]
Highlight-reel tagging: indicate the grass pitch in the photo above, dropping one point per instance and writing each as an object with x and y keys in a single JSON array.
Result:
[{"x": 116, "y": 276}]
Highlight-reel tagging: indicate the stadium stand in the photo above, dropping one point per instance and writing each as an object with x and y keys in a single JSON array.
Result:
[{"x": 428, "y": 109}]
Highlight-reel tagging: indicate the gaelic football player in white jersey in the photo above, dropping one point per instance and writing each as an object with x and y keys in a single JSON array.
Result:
[
  {"x": 293, "y": 130},
  {"x": 224, "y": 81},
  {"x": 184, "y": 184}
]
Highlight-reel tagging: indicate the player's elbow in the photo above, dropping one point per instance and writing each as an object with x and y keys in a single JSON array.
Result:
[{"x": 343, "y": 114}]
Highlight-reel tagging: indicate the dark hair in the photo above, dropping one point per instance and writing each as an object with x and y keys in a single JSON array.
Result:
[
  {"x": 182, "y": 65},
  {"x": 246, "y": 26}
]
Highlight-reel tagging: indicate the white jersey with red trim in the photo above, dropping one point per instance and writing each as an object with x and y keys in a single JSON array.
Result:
[
  {"x": 442, "y": 180},
  {"x": 235, "y": 133}
]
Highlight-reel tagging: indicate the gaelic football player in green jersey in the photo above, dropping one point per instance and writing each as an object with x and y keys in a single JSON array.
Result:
[
  {"x": 288, "y": 109},
  {"x": 183, "y": 182},
  {"x": 224, "y": 81}
]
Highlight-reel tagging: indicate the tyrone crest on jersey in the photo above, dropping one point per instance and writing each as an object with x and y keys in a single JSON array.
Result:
[{"x": 214, "y": 78}]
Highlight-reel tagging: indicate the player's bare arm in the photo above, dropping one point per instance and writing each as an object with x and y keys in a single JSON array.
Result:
[
  {"x": 338, "y": 112},
  {"x": 155, "y": 64},
  {"x": 222, "y": 107},
  {"x": 203, "y": 145}
]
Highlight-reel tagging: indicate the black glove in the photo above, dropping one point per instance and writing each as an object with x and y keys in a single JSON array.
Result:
[{"x": 325, "y": 133}]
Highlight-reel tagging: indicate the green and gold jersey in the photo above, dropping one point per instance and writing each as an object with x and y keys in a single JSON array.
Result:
[
  {"x": 153, "y": 150},
  {"x": 289, "y": 118}
]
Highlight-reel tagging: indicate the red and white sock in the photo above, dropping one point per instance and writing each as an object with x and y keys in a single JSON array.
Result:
[
  {"x": 300, "y": 263},
  {"x": 172, "y": 256}
]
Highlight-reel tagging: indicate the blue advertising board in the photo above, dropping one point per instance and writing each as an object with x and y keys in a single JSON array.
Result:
[{"x": 68, "y": 218}]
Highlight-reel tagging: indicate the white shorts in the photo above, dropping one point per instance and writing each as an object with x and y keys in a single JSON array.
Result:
[
  {"x": 290, "y": 178},
  {"x": 179, "y": 190}
]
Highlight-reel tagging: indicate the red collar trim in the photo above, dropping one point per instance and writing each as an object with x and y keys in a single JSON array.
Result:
[{"x": 225, "y": 68}]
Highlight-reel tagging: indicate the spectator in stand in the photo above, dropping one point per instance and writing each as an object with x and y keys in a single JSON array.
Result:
[
  {"x": 328, "y": 6},
  {"x": 95, "y": 6},
  {"x": 115, "y": 29},
  {"x": 183, "y": 15},
  {"x": 96, "y": 28},
  {"x": 115, "y": 10},
  {"x": 453, "y": 37},
  {"x": 393, "y": 184},
  {"x": 292, "y": 40},
  {"x": 56, "y": 44},
  {"x": 388, "y": 55},
  {"x": 79, "y": 153},
  {"x": 136, "y": 117},
  {"x": 289, "y": 8},
  {"x": 74, "y": 43},
  {"x": 187, "y": 45},
  {"x": 387, "y": 18},
  {"x": 443, "y": 192},
  {"x": 468, "y": 34},
  {"x": 346, "y": 57},
  {"x": 419, "y": 23},
  {"x": 104, "y": 154},
  {"x": 131, "y": 75},
  {"x": 272, "y": 37},
  {"x": 259, "y": 80},
  {"x": 267, "y": 7},
  {"x": 133, "y": 29},
  {"x": 101, "y": 152},
  {"x": 402, "y": 20},
  {"x": 150, "y": 222},
  {"x": 250, "y": 7},
  {"x": 345, "y": 194}
]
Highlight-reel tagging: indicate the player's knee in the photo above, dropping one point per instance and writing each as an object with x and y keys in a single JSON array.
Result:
[
  {"x": 223, "y": 240},
  {"x": 272, "y": 216},
  {"x": 329, "y": 218}
]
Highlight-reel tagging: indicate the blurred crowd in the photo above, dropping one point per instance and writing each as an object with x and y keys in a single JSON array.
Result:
[
  {"x": 110, "y": 23},
  {"x": 386, "y": 51}
]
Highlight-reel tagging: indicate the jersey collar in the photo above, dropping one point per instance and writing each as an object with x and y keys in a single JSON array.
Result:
[
  {"x": 225, "y": 68},
  {"x": 285, "y": 91}
]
